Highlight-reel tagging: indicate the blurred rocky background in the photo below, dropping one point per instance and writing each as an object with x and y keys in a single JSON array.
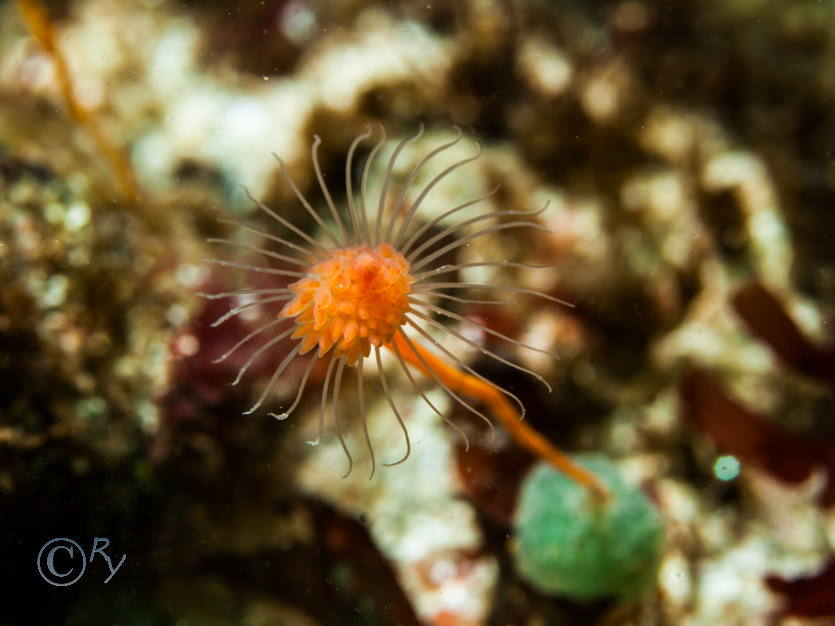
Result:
[{"x": 686, "y": 152}]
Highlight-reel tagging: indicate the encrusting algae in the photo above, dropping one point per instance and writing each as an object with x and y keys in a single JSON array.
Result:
[{"x": 376, "y": 276}]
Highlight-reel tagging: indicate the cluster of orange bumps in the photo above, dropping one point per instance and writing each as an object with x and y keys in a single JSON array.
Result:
[{"x": 352, "y": 300}]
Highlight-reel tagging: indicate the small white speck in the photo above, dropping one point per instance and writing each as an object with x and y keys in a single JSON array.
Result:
[
  {"x": 55, "y": 291},
  {"x": 442, "y": 570},
  {"x": 54, "y": 212},
  {"x": 187, "y": 345},
  {"x": 77, "y": 216},
  {"x": 148, "y": 416},
  {"x": 190, "y": 275},
  {"x": 176, "y": 314},
  {"x": 297, "y": 22},
  {"x": 726, "y": 468}
]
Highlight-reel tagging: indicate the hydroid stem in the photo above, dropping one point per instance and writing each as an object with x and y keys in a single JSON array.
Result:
[{"x": 461, "y": 382}]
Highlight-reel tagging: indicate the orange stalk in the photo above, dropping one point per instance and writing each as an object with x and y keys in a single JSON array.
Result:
[
  {"x": 37, "y": 19},
  {"x": 501, "y": 407}
]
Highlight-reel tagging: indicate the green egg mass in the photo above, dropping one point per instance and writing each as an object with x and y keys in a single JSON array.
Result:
[{"x": 572, "y": 545}]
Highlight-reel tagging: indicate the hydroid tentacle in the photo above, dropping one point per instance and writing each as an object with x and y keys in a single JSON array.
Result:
[
  {"x": 323, "y": 401},
  {"x": 314, "y": 153},
  {"x": 246, "y": 339},
  {"x": 415, "y": 170},
  {"x": 285, "y": 414},
  {"x": 430, "y": 185},
  {"x": 363, "y": 290},
  {"x": 405, "y": 248},
  {"x": 462, "y": 241},
  {"x": 442, "y": 382},
  {"x": 385, "y": 386},
  {"x": 378, "y": 226},
  {"x": 349, "y": 187},
  {"x": 316, "y": 217},
  {"x": 278, "y": 371},
  {"x": 396, "y": 349},
  {"x": 461, "y": 363},
  {"x": 465, "y": 320},
  {"x": 315, "y": 245},
  {"x": 340, "y": 368},
  {"x": 249, "y": 305}
]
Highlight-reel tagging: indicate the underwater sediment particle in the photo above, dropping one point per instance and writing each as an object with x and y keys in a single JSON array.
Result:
[{"x": 575, "y": 546}]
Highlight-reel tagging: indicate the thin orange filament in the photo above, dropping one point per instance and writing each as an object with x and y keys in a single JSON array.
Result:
[
  {"x": 37, "y": 19},
  {"x": 490, "y": 396}
]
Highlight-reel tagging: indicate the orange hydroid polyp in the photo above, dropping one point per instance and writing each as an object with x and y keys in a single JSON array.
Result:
[
  {"x": 377, "y": 281},
  {"x": 354, "y": 299}
]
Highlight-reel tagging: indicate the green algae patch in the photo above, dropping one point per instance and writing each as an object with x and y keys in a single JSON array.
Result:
[{"x": 570, "y": 544}]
